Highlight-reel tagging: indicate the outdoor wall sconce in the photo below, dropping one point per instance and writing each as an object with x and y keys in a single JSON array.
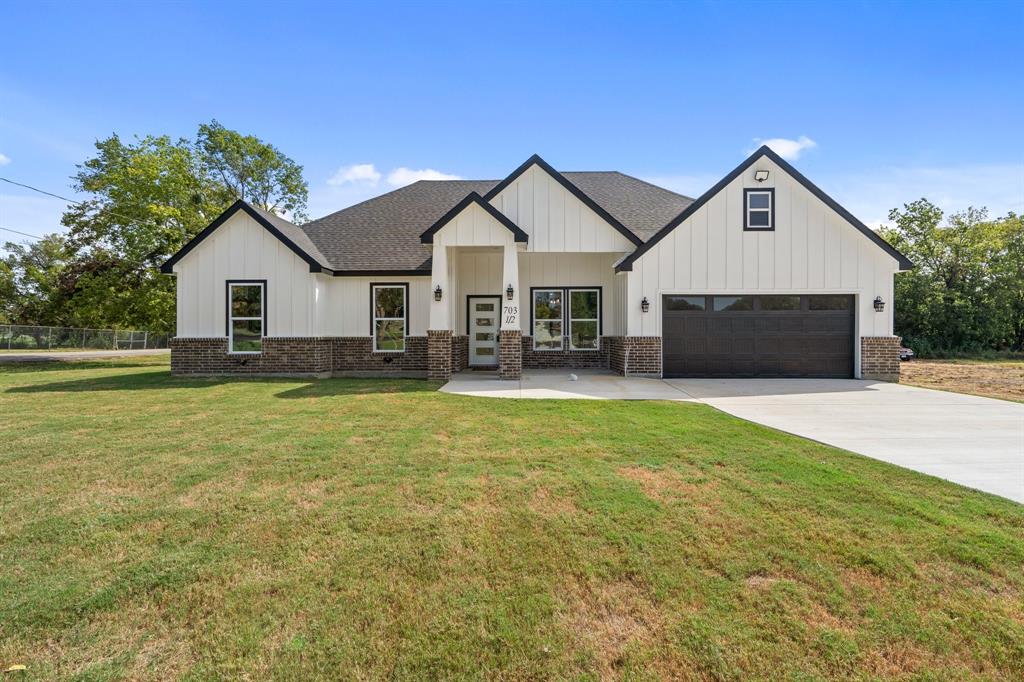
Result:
[
  {"x": 879, "y": 304},
  {"x": 761, "y": 175},
  {"x": 510, "y": 292},
  {"x": 645, "y": 305},
  {"x": 437, "y": 293}
]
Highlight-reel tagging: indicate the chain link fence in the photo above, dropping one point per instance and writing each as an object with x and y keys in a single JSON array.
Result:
[{"x": 22, "y": 337}]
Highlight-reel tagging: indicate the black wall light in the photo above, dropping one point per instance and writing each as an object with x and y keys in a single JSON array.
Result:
[
  {"x": 879, "y": 304},
  {"x": 645, "y": 305},
  {"x": 510, "y": 292},
  {"x": 437, "y": 293}
]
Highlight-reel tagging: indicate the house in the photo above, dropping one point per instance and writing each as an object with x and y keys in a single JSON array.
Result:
[{"x": 763, "y": 275}]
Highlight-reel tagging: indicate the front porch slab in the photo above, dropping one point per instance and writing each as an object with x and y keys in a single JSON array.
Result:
[{"x": 555, "y": 383}]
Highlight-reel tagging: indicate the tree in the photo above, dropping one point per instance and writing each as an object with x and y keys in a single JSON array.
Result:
[
  {"x": 31, "y": 291},
  {"x": 964, "y": 294},
  {"x": 147, "y": 199},
  {"x": 253, "y": 170}
]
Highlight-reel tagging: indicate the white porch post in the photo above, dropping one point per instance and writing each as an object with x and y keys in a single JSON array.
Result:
[
  {"x": 511, "y": 312},
  {"x": 440, "y": 316},
  {"x": 510, "y": 339}
]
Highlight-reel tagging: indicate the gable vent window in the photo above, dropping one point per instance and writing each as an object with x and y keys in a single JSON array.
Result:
[{"x": 759, "y": 213}]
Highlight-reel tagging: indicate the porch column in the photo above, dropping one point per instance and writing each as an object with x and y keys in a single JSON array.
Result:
[
  {"x": 510, "y": 339},
  {"x": 439, "y": 333}
]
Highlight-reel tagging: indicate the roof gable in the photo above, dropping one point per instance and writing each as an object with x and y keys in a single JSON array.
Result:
[
  {"x": 626, "y": 263},
  {"x": 473, "y": 198},
  {"x": 289, "y": 234},
  {"x": 535, "y": 160}
]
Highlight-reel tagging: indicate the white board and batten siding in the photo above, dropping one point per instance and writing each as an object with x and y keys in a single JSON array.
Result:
[
  {"x": 348, "y": 300},
  {"x": 243, "y": 249},
  {"x": 812, "y": 250},
  {"x": 574, "y": 270},
  {"x": 554, "y": 218}
]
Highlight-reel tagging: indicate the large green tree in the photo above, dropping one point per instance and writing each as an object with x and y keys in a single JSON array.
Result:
[
  {"x": 146, "y": 199},
  {"x": 965, "y": 293}
]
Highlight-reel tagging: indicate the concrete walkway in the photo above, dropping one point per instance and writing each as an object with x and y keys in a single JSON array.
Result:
[
  {"x": 973, "y": 441},
  {"x": 71, "y": 355}
]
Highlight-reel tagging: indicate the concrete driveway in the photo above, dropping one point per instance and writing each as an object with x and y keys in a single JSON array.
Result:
[{"x": 977, "y": 442}]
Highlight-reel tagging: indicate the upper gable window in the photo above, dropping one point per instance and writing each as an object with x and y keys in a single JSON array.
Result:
[{"x": 759, "y": 209}]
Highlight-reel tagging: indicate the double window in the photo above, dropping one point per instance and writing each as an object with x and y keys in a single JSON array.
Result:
[
  {"x": 389, "y": 326},
  {"x": 566, "y": 311},
  {"x": 247, "y": 315},
  {"x": 759, "y": 209}
]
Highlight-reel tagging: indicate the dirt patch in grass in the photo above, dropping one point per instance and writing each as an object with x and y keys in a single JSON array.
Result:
[
  {"x": 1003, "y": 380},
  {"x": 549, "y": 503},
  {"x": 663, "y": 485}
]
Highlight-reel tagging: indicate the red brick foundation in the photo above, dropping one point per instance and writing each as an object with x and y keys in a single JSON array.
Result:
[
  {"x": 510, "y": 354},
  {"x": 566, "y": 358},
  {"x": 439, "y": 354},
  {"x": 281, "y": 355},
  {"x": 460, "y": 353},
  {"x": 634, "y": 355},
  {"x": 880, "y": 358},
  {"x": 316, "y": 356}
]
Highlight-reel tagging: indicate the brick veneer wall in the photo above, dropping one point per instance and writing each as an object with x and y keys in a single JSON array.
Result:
[
  {"x": 439, "y": 354},
  {"x": 281, "y": 355},
  {"x": 306, "y": 355},
  {"x": 634, "y": 355},
  {"x": 354, "y": 355},
  {"x": 567, "y": 358},
  {"x": 880, "y": 358},
  {"x": 460, "y": 353},
  {"x": 510, "y": 354}
]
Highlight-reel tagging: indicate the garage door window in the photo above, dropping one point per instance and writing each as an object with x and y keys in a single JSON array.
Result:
[
  {"x": 683, "y": 303},
  {"x": 733, "y": 303},
  {"x": 773, "y": 303},
  {"x": 829, "y": 302}
]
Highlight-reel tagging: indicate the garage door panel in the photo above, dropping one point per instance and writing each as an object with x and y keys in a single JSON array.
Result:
[{"x": 790, "y": 343}]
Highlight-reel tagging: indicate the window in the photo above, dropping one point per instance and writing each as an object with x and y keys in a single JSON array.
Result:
[
  {"x": 547, "y": 319},
  {"x": 389, "y": 317},
  {"x": 829, "y": 302},
  {"x": 733, "y": 303},
  {"x": 759, "y": 213},
  {"x": 584, "y": 317},
  {"x": 247, "y": 316},
  {"x": 678, "y": 303},
  {"x": 773, "y": 303}
]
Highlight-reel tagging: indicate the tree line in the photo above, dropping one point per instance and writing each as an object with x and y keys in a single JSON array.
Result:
[
  {"x": 149, "y": 196},
  {"x": 146, "y": 198}
]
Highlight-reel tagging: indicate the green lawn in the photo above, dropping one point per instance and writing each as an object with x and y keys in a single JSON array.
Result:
[{"x": 162, "y": 528}]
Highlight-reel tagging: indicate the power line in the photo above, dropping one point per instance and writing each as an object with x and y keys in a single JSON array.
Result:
[
  {"x": 24, "y": 234},
  {"x": 70, "y": 201}
]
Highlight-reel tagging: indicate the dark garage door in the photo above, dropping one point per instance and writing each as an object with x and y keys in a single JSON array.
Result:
[{"x": 757, "y": 336}]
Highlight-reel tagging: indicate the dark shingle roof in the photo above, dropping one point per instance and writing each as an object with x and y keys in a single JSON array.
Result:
[
  {"x": 383, "y": 233},
  {"x": 295, "y": 233}
]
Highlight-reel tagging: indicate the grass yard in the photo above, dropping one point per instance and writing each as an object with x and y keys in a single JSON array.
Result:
[
  {"x": 990, "y": 378},
  {"x": 160, "y": 528}
]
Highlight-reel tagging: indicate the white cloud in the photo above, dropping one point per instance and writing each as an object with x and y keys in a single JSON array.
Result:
[
  {"x": 870, "y": 195},
  {"x": 4, "y": 159},
  {"x": 401, "y": 177},
  {"x": 787, "y": 149},
  {"x": 356, "y": 173}
]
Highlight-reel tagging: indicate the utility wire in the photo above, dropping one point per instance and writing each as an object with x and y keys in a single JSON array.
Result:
[
  {"x": 24, "y": 234},
  {"x": 70, "y": 201}
]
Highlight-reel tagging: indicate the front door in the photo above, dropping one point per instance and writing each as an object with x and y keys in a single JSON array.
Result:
[{"x": 482, "y": 326}]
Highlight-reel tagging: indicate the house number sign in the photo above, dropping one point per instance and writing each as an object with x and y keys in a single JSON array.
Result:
[{"x": 511, "y": 313}]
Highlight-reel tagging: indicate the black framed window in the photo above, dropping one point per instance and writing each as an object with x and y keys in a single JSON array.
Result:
[
  {"x": 389, "y": 311},
  {"x": 547, "y": 319},
  {"x": 560, "y": 312},
  {"x": 246, "y": 315},
  {"x": 759, "y": 209}
]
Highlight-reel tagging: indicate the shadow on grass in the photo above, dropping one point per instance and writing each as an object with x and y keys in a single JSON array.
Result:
[
  {"x": 160, "y": 380},
  {"x": 74, "y": 366}
]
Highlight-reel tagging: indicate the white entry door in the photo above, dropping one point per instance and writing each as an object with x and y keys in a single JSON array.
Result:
[{"x": 483, "y": 325}]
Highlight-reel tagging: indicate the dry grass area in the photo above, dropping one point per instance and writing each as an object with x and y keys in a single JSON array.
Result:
[
  {"x": 154, "y": 528},
  {"x": 992, "y": 379}
]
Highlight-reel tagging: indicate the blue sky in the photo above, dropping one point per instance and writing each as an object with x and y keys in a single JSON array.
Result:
[{"x": 892, "y": 101}]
